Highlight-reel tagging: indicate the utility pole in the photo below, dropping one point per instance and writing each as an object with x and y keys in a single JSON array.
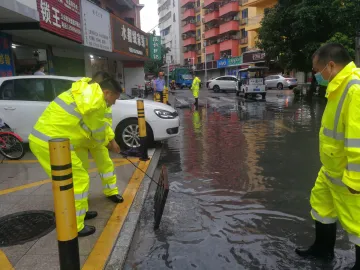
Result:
[{"x": 205, "y": 63}]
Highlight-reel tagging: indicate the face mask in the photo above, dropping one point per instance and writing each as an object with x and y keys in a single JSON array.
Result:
[{"x": 320, "y": 79}]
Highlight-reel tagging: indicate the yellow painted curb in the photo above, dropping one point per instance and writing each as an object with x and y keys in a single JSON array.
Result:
[
  {"x": 104, "y": 245},
  {"x": 4, "y": 262}
]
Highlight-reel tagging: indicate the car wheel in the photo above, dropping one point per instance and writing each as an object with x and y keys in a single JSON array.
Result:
[
  {"x": 246, "y": 96},
  {"x": 216, "y": 89},
  {"x": 291, "y": 87},
  {"x": 127, "y": 134},
  {"x": 263, "y": 96},
  {"x": 280, "y": 86}
]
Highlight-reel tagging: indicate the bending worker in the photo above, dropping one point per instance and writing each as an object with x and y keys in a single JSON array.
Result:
[
  {"x": 79, "y": 114},
  {"x": 336, "y": 194},
  {"x": 195, "y": 88},
  {"x": 159, "y": 85}
]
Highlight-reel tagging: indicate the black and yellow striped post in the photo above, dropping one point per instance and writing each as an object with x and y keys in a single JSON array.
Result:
[
  {"x": 142, "y": 130},
  {"x": 157, "y": 97},
  {"x": 64, "y": 202},
  {"x": 165, "y": 95}
]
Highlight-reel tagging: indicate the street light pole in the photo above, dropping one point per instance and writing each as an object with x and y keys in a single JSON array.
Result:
[{"x": 205, "y": 62}]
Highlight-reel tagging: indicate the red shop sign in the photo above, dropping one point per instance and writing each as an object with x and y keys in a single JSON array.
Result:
[{"x": 61, "y": 17}]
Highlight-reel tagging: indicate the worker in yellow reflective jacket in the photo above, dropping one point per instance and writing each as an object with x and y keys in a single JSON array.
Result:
[
  {"x": 195, "y": 88},
  {"x": 336, "y": 194},
  {"x": 80, "y": 115}
]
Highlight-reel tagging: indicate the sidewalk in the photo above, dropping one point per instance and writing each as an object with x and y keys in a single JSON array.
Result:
[{"x": 24, "y": 187}]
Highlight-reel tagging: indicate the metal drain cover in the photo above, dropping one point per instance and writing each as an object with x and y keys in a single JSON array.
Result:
[{"x": 22, "y": 227}]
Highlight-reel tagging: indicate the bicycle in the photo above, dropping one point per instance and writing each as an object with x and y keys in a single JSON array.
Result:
[
  {"x": 138, "y": 91},
  {"x": 11, "y": 145}
]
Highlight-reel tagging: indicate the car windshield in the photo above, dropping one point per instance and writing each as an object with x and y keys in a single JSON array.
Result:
[
  {"x": 124, "y": 96},
  {"x": 187, "y": 77}
]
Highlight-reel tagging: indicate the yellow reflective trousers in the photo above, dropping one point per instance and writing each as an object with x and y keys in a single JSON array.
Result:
[
  {"x": 81, "y": 179},
  {"x": 340, "y": 155},
  {"x": 104, "y": 164}
]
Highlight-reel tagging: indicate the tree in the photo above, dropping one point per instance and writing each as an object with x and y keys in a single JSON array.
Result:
[{"x": 292, "y": 30}]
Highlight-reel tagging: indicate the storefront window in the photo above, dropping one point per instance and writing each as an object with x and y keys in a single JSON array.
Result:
[{"x": 27, "y": 58}]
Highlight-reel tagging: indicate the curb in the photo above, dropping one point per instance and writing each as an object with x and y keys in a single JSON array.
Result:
[{"x": 122, "y": 245}]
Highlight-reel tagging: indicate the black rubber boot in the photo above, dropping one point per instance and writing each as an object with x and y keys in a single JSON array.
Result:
[
  {"x": 357, "y": 256},
  {"x": 86, "y": 231},
  {"x": 116, "y": 198},
  {"x": 324, "y": 244},
  {"x": 90, "y": 215}
]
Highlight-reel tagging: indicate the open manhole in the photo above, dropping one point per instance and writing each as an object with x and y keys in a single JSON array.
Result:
[{"x": 22, "y": 227}]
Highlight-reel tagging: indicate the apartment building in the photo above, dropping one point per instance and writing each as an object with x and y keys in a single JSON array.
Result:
[
  {"x": 213, "y": 30},
  {"x": 170, "y": 30}
]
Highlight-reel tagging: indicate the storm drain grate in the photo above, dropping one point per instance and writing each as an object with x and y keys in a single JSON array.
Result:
[{"x": 22, "y": 227}]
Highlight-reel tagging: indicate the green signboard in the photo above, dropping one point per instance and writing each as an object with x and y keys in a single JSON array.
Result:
[
  {"x": 155, "y": 47},
  {"x": 235, "y": 61}
]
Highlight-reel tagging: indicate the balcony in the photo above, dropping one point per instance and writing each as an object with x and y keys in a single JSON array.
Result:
[
  {"x": 189, "y": 41},
  {"x": 209, "y": 3},
  {"x": 190, "y": 54},
  {"x": 243, "y": 41},
  {"x": 211, "y": 33},
  {"x": 213, "y": 49},
  {"x": 188, "y": 13},
  {"x": 229, "y": 26},
  {"x": 230, "y": 44},
  {"x": 184, "y": 3},
  {"x": 231, "y": 7},
  {"x": 254, "y": 23},
  {"x": 190, "y": 27},
  {"x": 243, "y": 21},
  {"x": 211, "y": 16},
  {"x": 198, "y": 52},
  {"x": 258, "y": 3}
]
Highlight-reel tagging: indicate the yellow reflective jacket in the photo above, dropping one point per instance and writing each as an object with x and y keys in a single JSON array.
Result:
[
  {"x": 196, "y": 84},
  {"x": 77, "y": 114},
  {"x": 340, "y": 129}
]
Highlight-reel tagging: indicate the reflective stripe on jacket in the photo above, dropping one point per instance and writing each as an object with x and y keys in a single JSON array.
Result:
[
  {"x": 77, "y": 114},
  {"x": 340, "y": 129},
  {"x": 110, "y": 135}
]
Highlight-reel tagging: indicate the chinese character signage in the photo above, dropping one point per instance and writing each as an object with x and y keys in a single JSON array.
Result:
[
  {"x": 235, "y": 61},
  {"x": 6, "y": 63},
  {"x": 253, "y": 57},
  {"x": 155, "y": 47},
  {"x": 61, "y": 17},
  {"x": 128, "y": 39},
  {"x": 229, "y": 62},
  {"x": 96, "y": 26}
]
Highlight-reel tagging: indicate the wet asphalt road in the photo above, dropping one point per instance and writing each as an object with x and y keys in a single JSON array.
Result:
[{"x": 240, "y": 176}]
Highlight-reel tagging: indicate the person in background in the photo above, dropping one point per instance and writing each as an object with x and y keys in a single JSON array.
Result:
[
  {"x": 336, "y": 193},
  {"x": 159, "y": 85},
  {"x": 40, "y": 69},
  {"x": 80, "y": 114},
  {"x": 195, "y": 88}
]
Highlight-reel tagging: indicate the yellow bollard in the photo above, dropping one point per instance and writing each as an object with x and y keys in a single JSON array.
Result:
[
  {"x": 142, "y": 129},
  {"x": 165, "y": 95},
  {"x": 157, "y": 98},
  {"x": 64, "y": 202}
]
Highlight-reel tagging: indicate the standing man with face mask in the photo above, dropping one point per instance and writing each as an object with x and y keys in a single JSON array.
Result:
[{"x": 336, "y": 194}]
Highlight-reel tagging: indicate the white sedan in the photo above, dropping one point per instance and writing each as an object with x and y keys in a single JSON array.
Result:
[
  {"x": 24, "y": 98},
  {"x": 224, "y": 83}
]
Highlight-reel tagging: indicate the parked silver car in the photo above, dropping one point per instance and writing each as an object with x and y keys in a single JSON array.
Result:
[{"x": 280, "y": 81}]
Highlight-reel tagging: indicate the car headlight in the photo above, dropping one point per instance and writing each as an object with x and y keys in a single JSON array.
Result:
[{"x": 165, "y": 114}]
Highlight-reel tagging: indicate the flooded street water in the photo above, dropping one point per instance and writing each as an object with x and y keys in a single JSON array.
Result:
[{"x": 240, "y": 177}]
